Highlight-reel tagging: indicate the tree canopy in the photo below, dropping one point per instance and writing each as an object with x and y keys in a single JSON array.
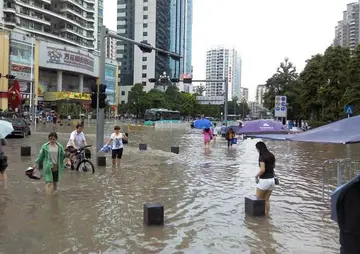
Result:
[
  {"x": 328, "y": 83},
  {"x": 173, "y": 99}
]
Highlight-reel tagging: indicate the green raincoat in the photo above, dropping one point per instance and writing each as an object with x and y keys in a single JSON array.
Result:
[{"x": 44, "y": 156}]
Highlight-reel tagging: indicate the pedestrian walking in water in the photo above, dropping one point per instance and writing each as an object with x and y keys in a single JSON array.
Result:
[
  {"x": 3, "y": 163},
  {"x": 52, "y": 156},
  {"x": 265, "y": 178},
  {"x": 207, "y": 133},
  {"x": 116, "y": 139}
]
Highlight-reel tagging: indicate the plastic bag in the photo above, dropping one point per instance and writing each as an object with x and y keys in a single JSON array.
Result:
[{"x": 33, "y": 173}]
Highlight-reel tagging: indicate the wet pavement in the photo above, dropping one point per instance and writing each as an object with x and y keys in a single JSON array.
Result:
[{"x": 203, "y": 193}]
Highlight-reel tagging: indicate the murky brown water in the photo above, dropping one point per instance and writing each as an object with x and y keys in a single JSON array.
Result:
[{"x": 203, "y": 193}]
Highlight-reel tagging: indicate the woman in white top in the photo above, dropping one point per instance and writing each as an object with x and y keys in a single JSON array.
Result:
[{"x": 117, "y": 145}]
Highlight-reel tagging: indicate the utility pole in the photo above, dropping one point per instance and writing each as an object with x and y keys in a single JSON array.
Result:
[
  {"x": 145, "y": 47},
  {"x": 100, "y": 113}
]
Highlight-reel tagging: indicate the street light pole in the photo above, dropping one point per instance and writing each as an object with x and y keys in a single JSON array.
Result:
[{"x": 100, "y": 114}]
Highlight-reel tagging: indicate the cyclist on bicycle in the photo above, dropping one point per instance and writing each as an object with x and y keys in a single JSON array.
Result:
[{"x": 77, "y": 140}]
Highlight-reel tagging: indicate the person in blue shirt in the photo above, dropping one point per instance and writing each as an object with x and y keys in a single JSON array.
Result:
[{"x": 223, "y": 130}]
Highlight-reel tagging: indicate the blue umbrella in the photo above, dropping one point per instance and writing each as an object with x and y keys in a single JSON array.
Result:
[
  {"x": 336, "y": 194},
  {"x": 202, "y": 124}
]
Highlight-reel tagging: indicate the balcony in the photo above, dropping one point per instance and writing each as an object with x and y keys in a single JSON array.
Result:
[
  {"x": 73, "y": 11},
  {"x": 77, "y": 33},
  {"x": 78, "y": 4},
  {"x": 34, "y": 17}
]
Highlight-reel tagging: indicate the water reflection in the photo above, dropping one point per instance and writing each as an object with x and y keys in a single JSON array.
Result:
[{"x": 203, "y": 193}]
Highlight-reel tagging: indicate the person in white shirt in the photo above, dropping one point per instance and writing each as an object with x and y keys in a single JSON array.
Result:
[
  {"x": 76, "y": 141},
  {"x": 214, "y": 131},
  {"x": 116, "y": 139}
]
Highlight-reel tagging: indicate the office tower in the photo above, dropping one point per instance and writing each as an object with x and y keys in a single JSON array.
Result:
[
  {"x": 260, "y": 91},
  {"x": 347, "y": 30},
  {"x": 221, "y": 64},
  {"x": 67, "y": 21},
  {"x": 99, "y": 19},
  {"x": 110, "y": 46},
  {"x": 237, "y": 84},
  {"x": 245, "y": 94}
]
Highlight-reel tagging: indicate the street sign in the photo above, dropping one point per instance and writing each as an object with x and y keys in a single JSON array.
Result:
[
  {"x": 280, "y": 106},
  {"x": 348, "y": 109}
]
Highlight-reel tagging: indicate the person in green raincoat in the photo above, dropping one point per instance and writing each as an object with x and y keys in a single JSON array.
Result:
[{"x": 52, "y": 155}]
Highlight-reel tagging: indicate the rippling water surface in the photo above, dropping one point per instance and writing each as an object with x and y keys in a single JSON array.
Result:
[{"x": 203, "y": 193}]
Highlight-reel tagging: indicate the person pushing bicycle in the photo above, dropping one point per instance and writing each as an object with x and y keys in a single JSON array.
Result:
[{"x": 76, "y": 141}]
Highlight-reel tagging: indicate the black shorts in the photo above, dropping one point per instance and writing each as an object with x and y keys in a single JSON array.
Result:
[
  {"x": 117, "y": 153},
  {"x": 55, "y": 176}
]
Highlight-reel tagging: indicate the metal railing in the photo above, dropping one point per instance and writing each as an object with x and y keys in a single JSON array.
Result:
[{"x": 336, "y": 172}]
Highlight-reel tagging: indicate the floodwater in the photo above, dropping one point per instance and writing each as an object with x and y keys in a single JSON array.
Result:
[{"x": 203, "y": 193}]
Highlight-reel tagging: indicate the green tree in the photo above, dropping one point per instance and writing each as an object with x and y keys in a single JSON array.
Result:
[
  {"x": 188, "y": 104},
  {"x": 199, "y": 90},
  {"x": 137, "y": 100},
  {"x": 284, "y": 82},
  {"x": 312, "y": 78},
  {"x": 172, "y": 93}
]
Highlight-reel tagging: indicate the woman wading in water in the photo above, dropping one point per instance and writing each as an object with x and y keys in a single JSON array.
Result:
[{"x": 52, "y": 155}]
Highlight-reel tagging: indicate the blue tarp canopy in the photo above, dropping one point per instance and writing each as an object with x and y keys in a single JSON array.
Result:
[{"x": 345, "y": 131}]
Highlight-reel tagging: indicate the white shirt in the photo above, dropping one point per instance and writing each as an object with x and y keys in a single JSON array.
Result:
[
  {"x": 117, "y": 142},
  {"x": 79, "y": 139},
  {"x": 215, "y": 132}
]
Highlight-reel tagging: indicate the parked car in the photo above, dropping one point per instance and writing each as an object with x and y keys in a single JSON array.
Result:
[{"x": 21, "y": 127}]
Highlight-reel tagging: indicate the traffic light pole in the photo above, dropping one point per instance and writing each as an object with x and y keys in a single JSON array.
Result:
[
  {"x": 226, "y": 87},
  {"x": 100, "y": 113}
]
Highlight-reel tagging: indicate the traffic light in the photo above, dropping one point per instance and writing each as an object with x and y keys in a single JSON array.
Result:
[
  {"x": 153, "y": 80},
  {"x": 94, "y": 97},
  {"x": 102, "y": 96},
  {"x": 187, "y": 80},
  {"x": 145, "y": 47},
  {"x": 175, "y": 57}
]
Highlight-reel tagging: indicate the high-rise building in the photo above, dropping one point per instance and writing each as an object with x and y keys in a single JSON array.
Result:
[
  {"x": 125, "y": 51},
  {"x": 347, "y": 30},
  {"x": 221, "y": 64},
  {"x": 260, "y": 91},
  {"x": 110, "y": 46},
  {"x": 166, "y": 24},
  {"x": 245, "y": 94},
  {"x": 99, "y": 19},
  {"x": 237, "y": 85},
  {"x": 67, "y": 21}
]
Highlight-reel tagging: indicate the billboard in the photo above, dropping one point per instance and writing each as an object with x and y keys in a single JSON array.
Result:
[
  {"x": 280, "y": 106},
  {"x": 21, "y": 63},
  {"x": 110, "y": 82}
]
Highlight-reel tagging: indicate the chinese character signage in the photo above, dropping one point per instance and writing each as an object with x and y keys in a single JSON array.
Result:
[
  {"x": 110, "y": 79},
  {"x": 56, "y": 96},
  {"x": 63, "y": 57}
]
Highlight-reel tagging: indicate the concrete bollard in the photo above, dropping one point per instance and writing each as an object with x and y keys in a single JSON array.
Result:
[
  {"x": 142, "y": 147},
  {"x": 25, "y": 151},
  {"x": 254, "y": 206},
  {"x": 175, "y": 149},
  {"x": 153, "y": 214},
  {"x": 101, "y": 161}
]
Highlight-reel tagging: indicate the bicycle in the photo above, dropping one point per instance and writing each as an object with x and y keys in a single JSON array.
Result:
[{"x": 80, "y": 160}]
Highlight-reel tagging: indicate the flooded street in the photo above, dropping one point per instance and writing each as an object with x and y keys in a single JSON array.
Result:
[{"x": 203, "y": 193}]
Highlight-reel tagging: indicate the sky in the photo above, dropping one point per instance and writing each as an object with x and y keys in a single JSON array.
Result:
[{"x": 264, "y": 32}]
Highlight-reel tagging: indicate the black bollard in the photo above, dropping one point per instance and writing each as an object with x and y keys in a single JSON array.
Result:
[
  {"x": 153, "y": 214},
  {"x": 41, "y": 165},
  {"x": 61, "y": 124},
  {"x": 44, "y": 122},
  {"x": 101, "y": 161},
  {"x": 125, "y": 141},
  {"x": 175, "y": 149},
  {"x": 254, "y": 206},
  {"x": 142, "y": 147},
  {"x": 25, "y": 151},
  {"x": 68, "y": 124}
]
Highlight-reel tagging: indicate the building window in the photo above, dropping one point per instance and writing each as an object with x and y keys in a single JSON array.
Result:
[
  {"x": 144, "y": 75},
  {"x": 122, "y": 102},
  {"x": 145, "y": 17},
  {"x": 122, "y": 92},
  {"x": 143, "y": 83},
  {"x": 144, "y": 67},
  {"x": 145, "y": 1},
  {"x": 145, "y": 8},
  {"x": 144, "y": 33},
  {"x": 144, "y": 58},
  {"x": 145, "y": 25}
]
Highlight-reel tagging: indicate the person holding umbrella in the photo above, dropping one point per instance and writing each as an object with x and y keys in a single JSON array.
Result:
[
  {"x": 205, "y": 124},
  {"x": 6, "y": 128}
]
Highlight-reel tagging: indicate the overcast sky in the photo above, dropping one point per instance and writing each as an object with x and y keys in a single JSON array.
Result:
[{"x": 263, "y": 32}]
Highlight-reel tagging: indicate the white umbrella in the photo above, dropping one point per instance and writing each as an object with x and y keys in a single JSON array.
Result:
[{"x": 5, "y": 128}]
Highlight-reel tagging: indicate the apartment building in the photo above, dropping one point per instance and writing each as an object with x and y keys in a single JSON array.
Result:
[
  {"x": 347, "y": 29},
  {"x": 71, "y": 22},
  {"x": 245, "y": 94},
  {"x": 221, "y": 63},
  {"x": 260, "y": 91},
  {"x": 110, "y": 46}
]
